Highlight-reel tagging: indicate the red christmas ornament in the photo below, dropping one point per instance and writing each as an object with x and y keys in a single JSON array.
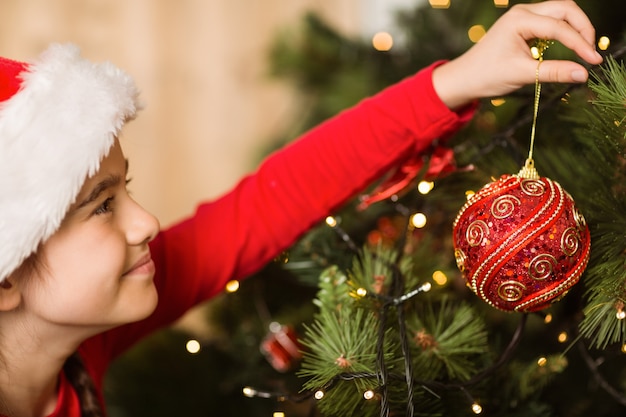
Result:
[
  {"x": 520, "y": 242},
  {"x": 281, "y": 347}
]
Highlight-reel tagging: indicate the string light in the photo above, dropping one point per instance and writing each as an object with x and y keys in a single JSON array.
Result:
[
  {"x": 278, "y": 414},
  {"x": 362, "y": 292},
  {"x": 193, "y": 346},
  {"x": 232, "y": 286},
  {"x": 331, "y": 221},
  {"x": 469, "y": 194},
  {"x": 423, "y": 288},
  {"x": 319, "y": 394},
  {"x": 624, "y": 348},
  {"x": 603, "y": 43},
  {"x": 501, "y": 3},
  {"x": 368, "y": 395},
  {"x": 542, "y": 361},
  {"x": 476, "y": 408},
  {"x": 497, "y": 102},
  {"x": 382, "y": 41},
  {"x": 424, "y": 187},
  {"x": 619, "y": 306},
  {"x": 562, "y": 338},
  {"x": 249, "y": 392},
  {"x": 418, "y": 220}
]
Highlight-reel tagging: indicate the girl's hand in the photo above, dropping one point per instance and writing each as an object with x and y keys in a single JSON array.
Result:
[{"x": 501, "y": 61}]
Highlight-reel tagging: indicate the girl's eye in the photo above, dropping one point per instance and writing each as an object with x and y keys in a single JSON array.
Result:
[{"x": 105, "y": 207}]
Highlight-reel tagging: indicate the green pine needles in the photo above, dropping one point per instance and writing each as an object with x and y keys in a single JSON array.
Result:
[
  {"x": 449, "y": 340},
  {"x": 604, "y": 322},
  {"x": 365, "y": 344}
]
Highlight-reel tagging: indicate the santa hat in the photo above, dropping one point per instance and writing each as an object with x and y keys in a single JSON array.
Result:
[{"x": 59, "y": 116}]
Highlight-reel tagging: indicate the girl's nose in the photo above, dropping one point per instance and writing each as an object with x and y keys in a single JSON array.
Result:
[{"x": 141, "y": 226}]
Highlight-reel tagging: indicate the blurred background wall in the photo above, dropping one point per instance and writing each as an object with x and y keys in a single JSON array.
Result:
[{"x": 202, "y": 69}]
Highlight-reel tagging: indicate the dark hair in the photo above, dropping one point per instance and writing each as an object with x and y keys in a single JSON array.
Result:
[{"x": 77, "y": 375}]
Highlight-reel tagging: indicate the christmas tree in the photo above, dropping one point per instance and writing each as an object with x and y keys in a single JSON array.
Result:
[{"x": 374, "y": 299}]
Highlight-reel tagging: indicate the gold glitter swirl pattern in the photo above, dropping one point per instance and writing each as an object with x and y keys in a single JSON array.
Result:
[
  {"x": 476, "y": 232},
  {"x": 511, "y": 291},
  {"x": 542, "y": 266},
  {"x": 533, "y": 187},
  {"x": 504, "y": 206},
  {"x": 486, "y": 192},
  {"x": 563, "y": 287},
  {"x": 460, "y": 259},
  {"x": 570, "y": 241},
  {"x": 579, "y": 219},
  {"x": 494, "y": 261}
]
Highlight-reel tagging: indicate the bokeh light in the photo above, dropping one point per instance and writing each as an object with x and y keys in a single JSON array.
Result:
[
  {"x": 476, "y": 32},
  {"x": 382, "y": 41},
  {"x": 439, "y": 4}
]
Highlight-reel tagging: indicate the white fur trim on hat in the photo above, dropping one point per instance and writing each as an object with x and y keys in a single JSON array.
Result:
[{"x": 54, "y": 131}]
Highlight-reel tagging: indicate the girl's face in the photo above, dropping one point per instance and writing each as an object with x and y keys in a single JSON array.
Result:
[{"x": 96, "y": 271}]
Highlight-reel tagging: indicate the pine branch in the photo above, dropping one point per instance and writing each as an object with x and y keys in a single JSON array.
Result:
[
  {"x": 606, "y": 277},
  {"x": 450, "y": 338},
  {"x": 342, "y": 342}
]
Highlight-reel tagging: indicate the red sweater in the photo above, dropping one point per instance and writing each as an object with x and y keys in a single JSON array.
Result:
[{"x": 237, "y": 234}]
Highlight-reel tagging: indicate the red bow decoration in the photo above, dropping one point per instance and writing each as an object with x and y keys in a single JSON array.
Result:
[{"x": 440, "y": 164}]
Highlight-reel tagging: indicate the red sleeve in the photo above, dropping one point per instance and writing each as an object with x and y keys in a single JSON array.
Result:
[{"x": 292, "y": 190}]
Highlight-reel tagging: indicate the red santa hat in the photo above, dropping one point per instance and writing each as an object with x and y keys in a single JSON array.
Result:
[{"x": 59, "y": 116}]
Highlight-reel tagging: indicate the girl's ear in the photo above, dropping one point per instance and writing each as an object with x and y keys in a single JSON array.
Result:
[{"x": 10, "y": 295}]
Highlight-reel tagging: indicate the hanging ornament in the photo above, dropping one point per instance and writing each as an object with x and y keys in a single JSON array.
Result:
[
  {"x": 520, "y": 242},
  {"x": 281, "y": 347}
]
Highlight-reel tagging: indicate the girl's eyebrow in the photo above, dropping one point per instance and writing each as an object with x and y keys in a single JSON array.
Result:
[{"x": 109, "y": 182}]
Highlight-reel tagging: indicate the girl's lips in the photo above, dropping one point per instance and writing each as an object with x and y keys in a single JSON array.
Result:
[{"x": 144, "y": 265}]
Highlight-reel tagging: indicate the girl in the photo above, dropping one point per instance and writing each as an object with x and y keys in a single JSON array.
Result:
[{"x": 84, "y": 270}]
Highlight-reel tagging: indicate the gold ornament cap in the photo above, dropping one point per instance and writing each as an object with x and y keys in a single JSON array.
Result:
[{"x": 528, "y": 171}]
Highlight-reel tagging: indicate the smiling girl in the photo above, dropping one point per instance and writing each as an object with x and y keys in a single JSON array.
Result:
[{"x": 85, "y": 272}]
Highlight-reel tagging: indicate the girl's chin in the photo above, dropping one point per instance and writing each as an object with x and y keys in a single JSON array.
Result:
[{"x": 142, "y": 306}]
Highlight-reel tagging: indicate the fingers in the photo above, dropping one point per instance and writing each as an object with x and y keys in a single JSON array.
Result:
[
  {"x": 563, "y": 21},
  {"x": 568, "y": 11},
  {"x": 553, "y": 71}
]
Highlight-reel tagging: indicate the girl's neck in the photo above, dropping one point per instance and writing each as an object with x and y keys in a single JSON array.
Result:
[
  {"x": 26, "y": 400},
  {"x": 30, "y": 366}
]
